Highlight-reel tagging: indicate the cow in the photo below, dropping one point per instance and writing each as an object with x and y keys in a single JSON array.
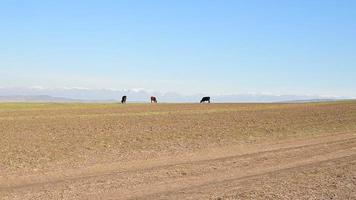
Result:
[
  {"x": 123, "y": 99},
  {"x": 205, "y": 99},
  {"x": 153, "y": 99}
]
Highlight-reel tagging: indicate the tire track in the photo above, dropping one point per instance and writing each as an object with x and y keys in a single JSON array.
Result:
[
  {"x": 230, "y": 184},
  {"x": 256, "y": 168},
  {"x": 179, "y": 176},
  {"x": 35, "y": 180}
]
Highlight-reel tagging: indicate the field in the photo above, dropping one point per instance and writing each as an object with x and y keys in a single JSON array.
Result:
[{"x": 178, "y": 151}]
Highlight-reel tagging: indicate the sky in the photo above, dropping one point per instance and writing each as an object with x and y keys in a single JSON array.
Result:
[{"x": 187, "y": 47}]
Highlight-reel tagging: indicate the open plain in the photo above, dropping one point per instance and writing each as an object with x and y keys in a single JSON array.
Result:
[{"x": 178, "y": 151}]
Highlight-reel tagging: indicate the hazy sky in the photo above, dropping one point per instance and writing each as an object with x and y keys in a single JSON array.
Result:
[{"x": 184, "y": 46}]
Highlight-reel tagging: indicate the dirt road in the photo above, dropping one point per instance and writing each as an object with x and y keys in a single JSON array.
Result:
[{"x": 323, "y": 167}]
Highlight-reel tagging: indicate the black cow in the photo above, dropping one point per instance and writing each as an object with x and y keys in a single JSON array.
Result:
[
  {"x": 123, "y": 99},
  {"x": 153, "y": 99},
  {"x": 205, "y": 99}
]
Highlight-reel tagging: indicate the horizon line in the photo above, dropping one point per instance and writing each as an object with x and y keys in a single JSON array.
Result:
[{"x": 173, "y": 92}]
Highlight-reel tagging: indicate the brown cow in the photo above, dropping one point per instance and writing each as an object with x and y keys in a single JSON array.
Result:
[{"x": 153, "y": 99}]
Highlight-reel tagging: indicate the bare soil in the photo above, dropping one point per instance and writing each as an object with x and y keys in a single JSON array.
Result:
[{"x": 178, "y": 151}]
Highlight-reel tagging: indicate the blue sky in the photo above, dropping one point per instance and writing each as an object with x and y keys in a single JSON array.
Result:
[{"x": 188, "y": 47}]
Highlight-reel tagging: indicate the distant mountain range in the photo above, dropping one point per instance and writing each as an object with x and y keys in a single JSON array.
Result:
[
  {"x": 39, "y": 98},
  {"x": 48, "y": 99},
  {"x": 40, "y": 94}
]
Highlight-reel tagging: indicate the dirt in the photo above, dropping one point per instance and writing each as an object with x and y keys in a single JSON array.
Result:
[{"x": 178, "y": 151}]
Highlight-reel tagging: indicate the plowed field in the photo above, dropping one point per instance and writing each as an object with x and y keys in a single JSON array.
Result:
[{"x": 178, "y": 151}]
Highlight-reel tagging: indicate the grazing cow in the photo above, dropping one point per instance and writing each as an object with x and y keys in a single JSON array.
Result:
[
  {"x": 153, "y": 100},
  {"x": 205, "y": 99},
  {"x": 123, "y": 99}
]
